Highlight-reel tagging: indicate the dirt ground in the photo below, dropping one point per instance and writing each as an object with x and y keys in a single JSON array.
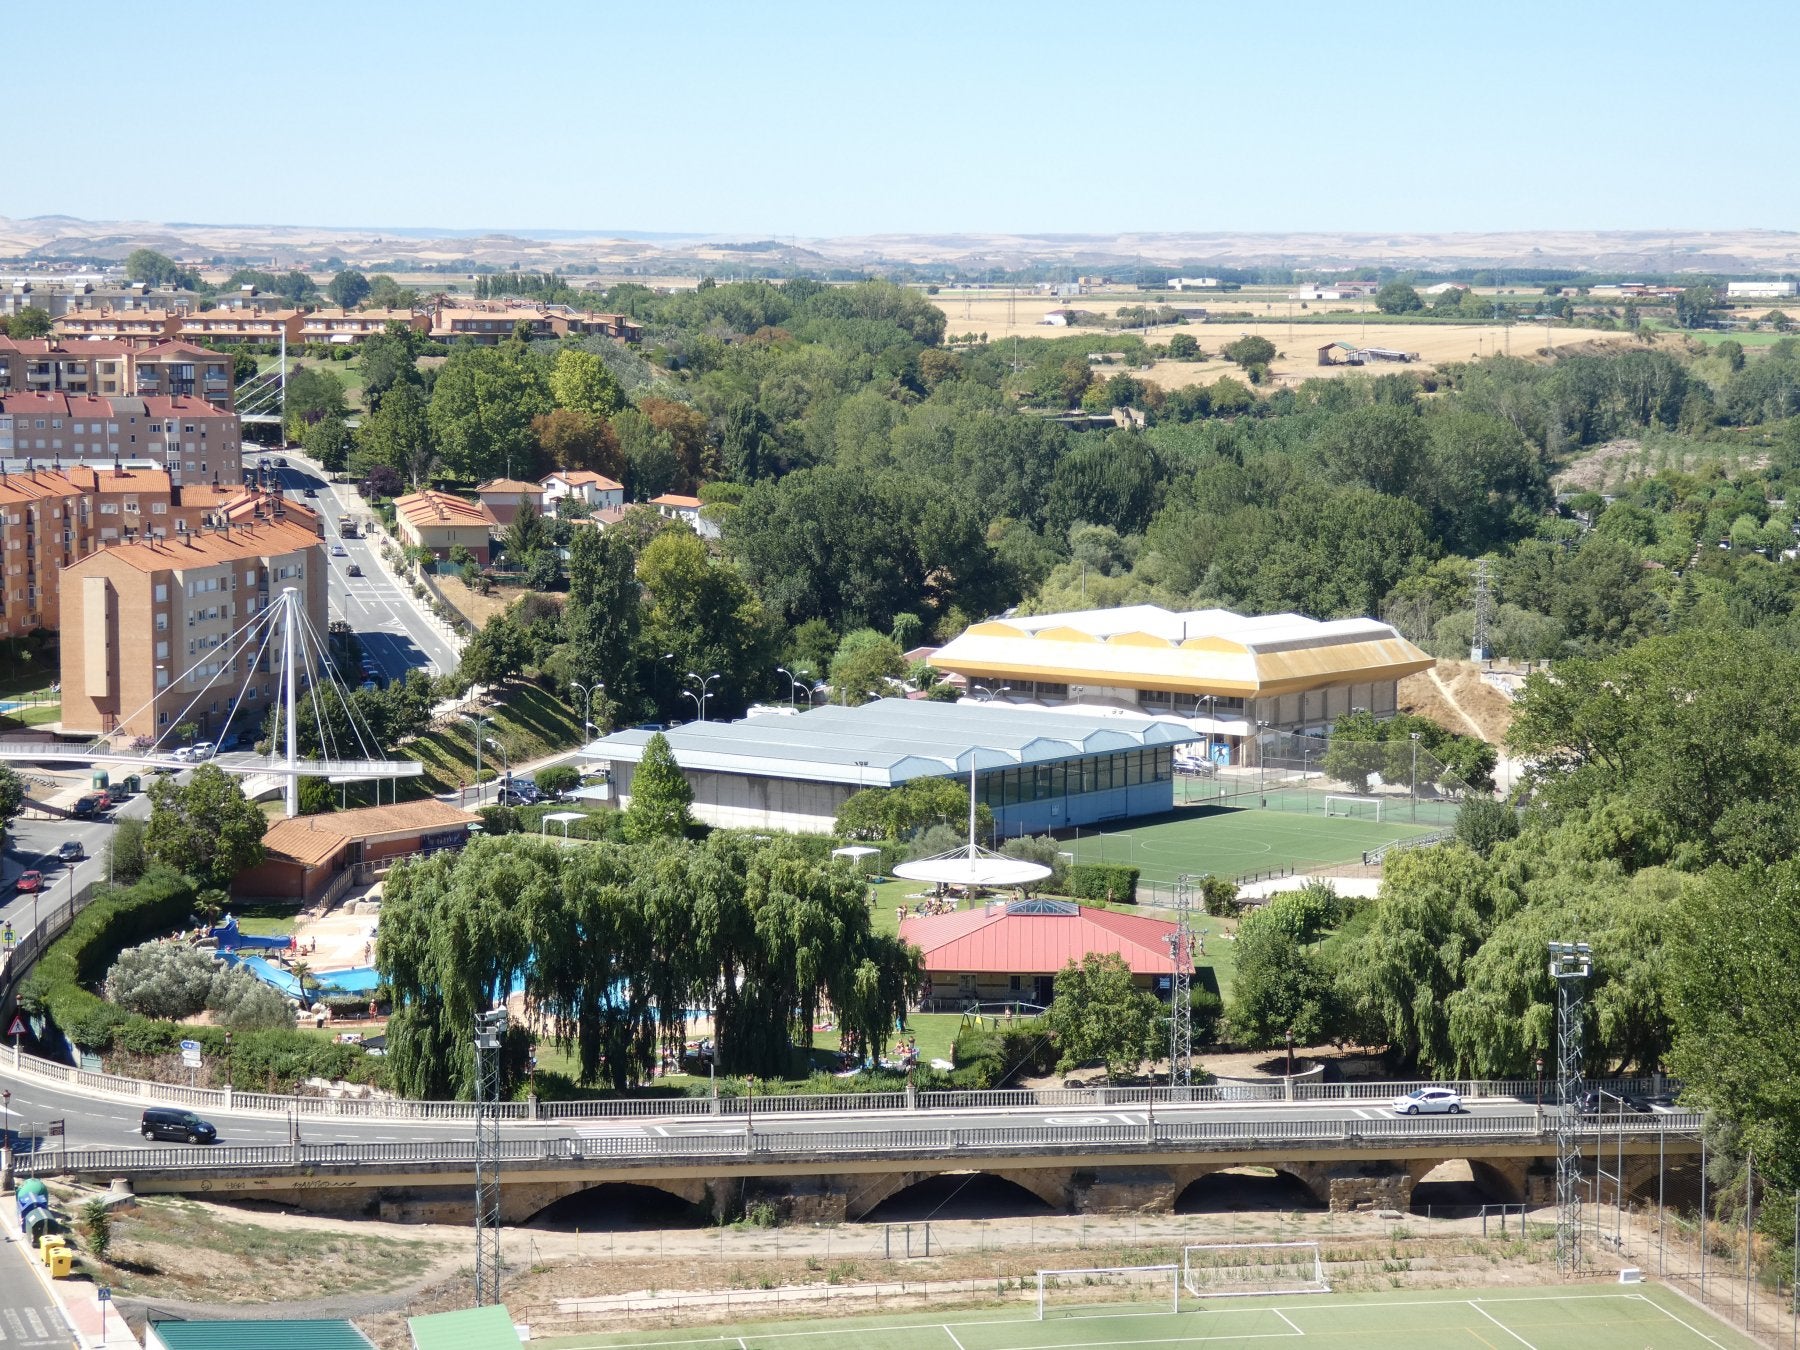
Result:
[
  {"x": 477, "y": 609},
  {"x": 1472, "y": 705}
]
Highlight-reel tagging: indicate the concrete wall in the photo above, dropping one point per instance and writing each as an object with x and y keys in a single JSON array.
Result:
[{"x": 745, "y": 802}]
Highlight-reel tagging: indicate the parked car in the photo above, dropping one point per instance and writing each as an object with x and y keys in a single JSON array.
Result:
[
  {"x": 169, "y": 1122},
  {"x": 354, "y": 569},
  {"x": 116, "y": 793},
  {"x": 29, "y": 881},
  {"x": 71, "y": 851},
  {"x": 204, "y": 750},
  {"x": 89, "y": 805},
  {"x": 1429, "y": 1100},
  {"x": 310, "y": 492},
  {"x": 281, "y": 463}
]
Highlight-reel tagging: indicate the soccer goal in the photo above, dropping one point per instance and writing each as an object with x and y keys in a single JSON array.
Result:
[
  {"x": 1235, "y": 1269},
  {"x": 1360, "y": 808},
  {"x": 1084, "y": 1292}
]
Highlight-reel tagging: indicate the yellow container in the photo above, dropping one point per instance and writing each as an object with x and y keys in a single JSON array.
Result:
[
  {"x": 46, "y": 1241},
  {"x": 61, "y": 1260}
]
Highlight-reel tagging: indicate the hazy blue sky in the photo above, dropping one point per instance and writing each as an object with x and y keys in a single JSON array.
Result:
[{"x": 861, "y": 117}]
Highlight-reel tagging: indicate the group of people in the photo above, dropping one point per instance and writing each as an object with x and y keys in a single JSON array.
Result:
[{"x": 929, "y": 905}]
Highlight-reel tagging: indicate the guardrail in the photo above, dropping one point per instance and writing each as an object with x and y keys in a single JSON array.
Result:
[
  {"x": 15, "y": 964},
  {"x": 933, "y": 1143},
  {"x": 225, "y": 1099}
]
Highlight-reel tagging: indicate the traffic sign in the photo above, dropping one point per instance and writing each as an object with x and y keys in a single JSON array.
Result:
[
  {"x": 104, "y": 1293},
  {"x": 18, "y": 1026},
  {"x": 190, "y": 1054},
  {"x": 56, "y": 1127}
]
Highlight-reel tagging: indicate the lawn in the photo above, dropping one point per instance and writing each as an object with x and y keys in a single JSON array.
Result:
[
  {"x": 1589, "y": 1317},
  {"x": 1228, "y": 842},
  {"x": 528, "y": 722}
]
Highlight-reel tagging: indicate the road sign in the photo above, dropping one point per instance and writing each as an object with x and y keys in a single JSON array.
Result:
[
  {"x": 190, "y": 1054},
  {"x": 104, "y": 1293},
  {"x": 18, "y": 1026},
  {"x": 55, "y": 1127}
]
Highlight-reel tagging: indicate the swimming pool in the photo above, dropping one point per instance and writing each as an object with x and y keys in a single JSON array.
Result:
[{"x": 356, "y": 980}]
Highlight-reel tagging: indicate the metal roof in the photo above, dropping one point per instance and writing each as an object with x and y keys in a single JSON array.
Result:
[
  {"x": 1036, "y": 939},
  {"x": 487, "y": 1328},
  {"x": 893, "y": 740},
  {"x": 273, "y": 1334}
]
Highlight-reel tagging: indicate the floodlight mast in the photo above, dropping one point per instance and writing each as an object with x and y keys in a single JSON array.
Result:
[
  {"x": 490, "y": 1033},
  {"x": 1571, "y": 963}
]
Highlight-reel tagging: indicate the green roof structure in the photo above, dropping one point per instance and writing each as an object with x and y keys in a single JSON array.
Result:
[
  {"x": 489, "y": 1328},
  {"x": 249, "y": 1334}
]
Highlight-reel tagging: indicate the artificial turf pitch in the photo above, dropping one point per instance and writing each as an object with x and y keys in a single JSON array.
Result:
[
  {"x": 1585, "y": 1317},
  {"x": 1230, "y": 842}
]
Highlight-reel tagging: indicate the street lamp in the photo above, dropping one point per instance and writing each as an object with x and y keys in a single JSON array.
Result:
[
  {"x": 793, "y": 686},
  {"x": 505, "y": 758},
  {"x": 1290, "y": 1051},
  {"x": 992, "y": 694},
  {"x": 228, "y": 1059},
  {"x": 700, "y": 699},
  {"x": 1415, "y": 773},
  {"x": 479, "y": 722}
]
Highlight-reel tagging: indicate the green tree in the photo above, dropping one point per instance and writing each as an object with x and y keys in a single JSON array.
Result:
[
  {"x": 1482, "y": 823},
  {"x": 1396, "y": 297},
  {"x": 1250, "y": 351},
  {"x": 312, "y": 394},
  {"x": 557, "y": 779},
  {"x": 326, "y": 440},
  {"x": 390, "y": 358},
  {"x": 700, "y": 611},
  {"x": 396, "y": 435},
  {"x": 126, "y": 856},
  {"x": 386, "y": 293},
  {"x": 603, "y": 618},
  {"x": 864, "y": 664},
  {"x": 660, "y": 795},
  {"x": 348, "y": 289},
  {"x": 1280, "y": 986},
  {"x": 1183, "y": 347},
  {"x": 204, "y": 827},
  {"x": 482, "y": 404},
  {"x": 1100, "y": 1014},
  {"x": 496, "y": 654},
  {"x": 30, "y": 322},
  {"x": 96, "y": 1225},
  {"x": 580, "y": 381},
  {"x": 147, "y": 265}
]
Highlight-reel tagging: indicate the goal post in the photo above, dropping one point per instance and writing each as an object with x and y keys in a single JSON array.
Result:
[
  {"x": 1359, "y": 808},
  {"x": 1238, "y": 1269},
  {"x": 1082, "y": 1291}
]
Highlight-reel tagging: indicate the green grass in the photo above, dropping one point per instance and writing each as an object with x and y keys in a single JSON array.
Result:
[
  {"x": 1231, "y": 842},
  {"x": 1589, "y": 1317},
  {"x": 530, "y": 724}
]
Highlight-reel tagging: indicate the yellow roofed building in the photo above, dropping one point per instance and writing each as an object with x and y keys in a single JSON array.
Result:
[{"x": 1223, "y": 673}]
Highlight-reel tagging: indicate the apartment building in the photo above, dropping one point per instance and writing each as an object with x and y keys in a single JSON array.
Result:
[
  {"x": 160, "y": 633},
  {"x": 241, "y": 324},
  {"x": 112, "y": 369},
  {"x": 340, "y": 326},
  {"x": 135, "y": 325},
  {"x": 442, "y": 522},
  {"x": 490, "y": 324},
  {"x": 191, "y": 438}
]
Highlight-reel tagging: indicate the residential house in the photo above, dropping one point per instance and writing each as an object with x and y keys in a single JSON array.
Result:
[
  {"x": 594, "y": 490},
  {"x": 189, "y": 437},
  {"x": 240, "y": 323},
  {"x": 504, "y": 498},
  {"x": 140, "y": 326},
  {"x": 341, "y": 326},
  {"x": 306, "y": 857},
  {"x": 441, "y": 522},
  {"x": 687, "y": 510},
  {"x": 109, "y": 368}
]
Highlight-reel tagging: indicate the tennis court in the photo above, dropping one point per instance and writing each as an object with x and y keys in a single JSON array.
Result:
[
  {"x": 1579, "y": 1317},
  {"x": 1230, "y": 842}
]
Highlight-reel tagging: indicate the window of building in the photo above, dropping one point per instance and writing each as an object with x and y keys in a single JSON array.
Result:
[{"x": 162, "y": 593}]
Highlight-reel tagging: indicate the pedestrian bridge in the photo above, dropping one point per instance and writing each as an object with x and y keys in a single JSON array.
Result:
[
  {"x": 41, "y": 752},
  {"x": 832, "y": 1173}
]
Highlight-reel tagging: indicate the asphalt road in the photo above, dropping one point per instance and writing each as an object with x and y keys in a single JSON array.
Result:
[
  {"x": 102, "y": 1123},
  {"x": 390, "y": 624},
  {"x": 32, "y": 844},
  {"x": 26, "y": 1318}
]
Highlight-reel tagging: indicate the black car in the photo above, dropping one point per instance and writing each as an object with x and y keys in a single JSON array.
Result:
[
  {"x": 71, "y": 851},
  {"x": 170, "y": 1122}
]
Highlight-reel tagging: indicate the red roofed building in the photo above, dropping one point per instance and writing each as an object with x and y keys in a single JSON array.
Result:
[{"x": 1012, "y": 952}]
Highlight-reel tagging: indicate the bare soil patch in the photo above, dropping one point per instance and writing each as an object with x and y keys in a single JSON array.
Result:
[
  {"x": 1490, "y": 710},
  {"x": 471, "y": 604}
]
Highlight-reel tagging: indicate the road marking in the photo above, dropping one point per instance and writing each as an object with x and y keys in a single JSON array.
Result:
[
  {"x": 12, "y": 1320},
  {"x": 1666, "y": 1313},
  {"x": 1497, "y": 1322},
  {"x": 37, "y": 1325},
  {"x": 1360, "y": 1115},
  {"x": 1077, "y": 1120}
]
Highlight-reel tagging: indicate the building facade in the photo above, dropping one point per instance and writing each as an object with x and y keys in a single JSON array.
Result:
[
  {"x": 442, "y": 522},
  {"x": 159, "y": 633},
  {"x": 109, "y": 369},
  {"x": 594, "y": 490},
  {"x": 340, "y": 326},
  {"x": 190, "y": 438},
  {"x": 239, "y": 324},
  {"x": 136, "y": 324},
  {"x": 1226, "y": 675}
]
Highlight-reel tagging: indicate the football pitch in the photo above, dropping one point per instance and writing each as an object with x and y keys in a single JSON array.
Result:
[
  {"x": 1230, "y": 842},
  {"x": 1587, "y": 1317}
]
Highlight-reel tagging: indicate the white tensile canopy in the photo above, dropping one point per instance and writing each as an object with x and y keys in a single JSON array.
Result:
[{"x": 973, "y": 865}]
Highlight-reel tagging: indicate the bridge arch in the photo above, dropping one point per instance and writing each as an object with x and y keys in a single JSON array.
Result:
[
  {"x": 909, "y": 1197},
  {"x": 1226, "y": 1190},
  {"x": 608, "y": 1206}
]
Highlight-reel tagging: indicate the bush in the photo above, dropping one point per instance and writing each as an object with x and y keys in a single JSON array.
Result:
[
  {"x": 1045, "y": 850},
  {"x": 126, "y": 859},
  {"x": 245, "y": 1003},
  {"x": 993, "y": 1057},
  {"x": 1104, "y": 881},
  {"x": 499, "y": 819},
  {"x": 1482, "y": 822},
  {"x": 161, "y": 979},
  {"x": 1219, "y": 898},
  {"x": 1208, "y": 1014},
  {"x": 558, "y": 778}
]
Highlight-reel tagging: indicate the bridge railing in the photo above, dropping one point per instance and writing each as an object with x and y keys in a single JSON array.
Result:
[
  {"x": 628, "y": 1108},
  {"x": 574, "y": 1150}
]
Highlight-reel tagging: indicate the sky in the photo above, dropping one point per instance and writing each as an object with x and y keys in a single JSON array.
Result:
[{"x": 773, "y": 119}]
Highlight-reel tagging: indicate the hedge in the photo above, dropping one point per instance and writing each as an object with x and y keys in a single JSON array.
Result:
[
  {"x": 1104, "y": 881},
  {"x": 993, "y": 1057},
  {"x": 58, "y": 987}
]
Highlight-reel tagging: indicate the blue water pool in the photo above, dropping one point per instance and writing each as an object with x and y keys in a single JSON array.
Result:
[{"x": 357, "y": 980}]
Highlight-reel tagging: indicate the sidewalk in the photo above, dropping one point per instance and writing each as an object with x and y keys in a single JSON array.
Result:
[{"x": 78, "y": 1300}]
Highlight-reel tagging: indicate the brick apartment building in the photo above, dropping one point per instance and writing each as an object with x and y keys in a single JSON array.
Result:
[
  {"x": 338, "y": 326},
  {"x": 194, "y": 440},
  {"x": 133, "y": 324},
  {"x": 490, "y": 324},
  {"x": 111, "y": 369},
  {"x": 56, "y": 296},
  {"x": 236, "y": 324},
  {"x": 147, "y": 630}
]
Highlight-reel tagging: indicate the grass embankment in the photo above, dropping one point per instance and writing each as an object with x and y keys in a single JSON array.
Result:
[{"x": 528, "y": 723}]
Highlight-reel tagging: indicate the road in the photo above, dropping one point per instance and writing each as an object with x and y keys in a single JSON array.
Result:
[
  {"x": 33, "y": 844},
  {"x": 392, "y": 626},
  {"x": 26, "y": 1317},
  {"x": 94, "y": 1122}
]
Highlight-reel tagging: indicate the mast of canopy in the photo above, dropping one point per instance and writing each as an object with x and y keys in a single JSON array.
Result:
[
  {"x": 971, "y": 806},
  {"x": 289, "y": 597}
]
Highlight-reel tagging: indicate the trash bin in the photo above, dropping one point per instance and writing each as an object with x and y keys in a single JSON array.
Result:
[
  {"x": 50, "y": 1243},
  {"x": 61, "y": 1261},
  {"x": 99, "y": 781},
  {"x": 133, "y": 783}
]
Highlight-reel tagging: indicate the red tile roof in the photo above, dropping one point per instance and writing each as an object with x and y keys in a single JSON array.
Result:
[
  {"x": 992, "y": 940},
  {"x": 675, "y": 499}
]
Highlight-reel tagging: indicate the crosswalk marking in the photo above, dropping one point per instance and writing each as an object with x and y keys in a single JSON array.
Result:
[{"x": 37, "y": 1325}]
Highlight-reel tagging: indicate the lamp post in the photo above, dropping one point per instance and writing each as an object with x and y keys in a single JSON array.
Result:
[
  {"x": 705, "y": 683},
  {"x": 1290, "y": 1051},
  {"x": 228, "y": 1060},
  {"x": 991, "y": 694},
  {"x": 587, "y": 700},
  {"x": 505, "y": 758},
  {"x": 1262, "y": 779},
  {"x": 1540, "y": 1091},
  {"x": 1414, "y": 789},
  {"x": 479, "y": 722},
  {"x": 794, "y": 687}
]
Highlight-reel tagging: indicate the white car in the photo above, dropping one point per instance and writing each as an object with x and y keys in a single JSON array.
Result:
[
  {"x": 1428, "y": 1100},
  {"x": 202, "y": 750}
]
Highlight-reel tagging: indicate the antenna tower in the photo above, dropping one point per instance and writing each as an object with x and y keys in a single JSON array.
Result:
[
  {"x": 490, "y": 1029},
  {"x": 1181, "y": 1007},
  {"x": 1570, "y": 965},
  {"x": 1483, "y": 612}
]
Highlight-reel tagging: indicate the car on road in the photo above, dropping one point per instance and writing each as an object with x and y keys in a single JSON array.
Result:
[
  {"x": 89, "y": 804},
  {"x": 337, "y": 551},
  {"x": 1428, "y": 1101},
  {"x": 116, "y": 793},
  {"x": 281, "y": 463},
  {"x": 29, "y": 880},
  {"x": 310, "y": 492},
  {"x": 353, "y": 570},
  {"x": 71, "y": 851},
  {"x": 169, "y": 1122},
  {"x": 192, "y": 754}
]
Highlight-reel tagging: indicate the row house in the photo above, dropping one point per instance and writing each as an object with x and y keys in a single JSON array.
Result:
[
  {"x": 241, "y": 324},
  {"x": 491, "y": 324},
  {"x": 193, "y": 439},
  {"x": 119, "y": 325},
  {"x": 162, "y": 632},
  {"x": 111, "y": 369},
  {"x": 340, "y": 326}
]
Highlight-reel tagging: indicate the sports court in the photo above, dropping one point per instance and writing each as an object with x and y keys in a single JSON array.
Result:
[
  {"x": 1566, "y": 1317},
  {"x": 1233, "y": 841}
]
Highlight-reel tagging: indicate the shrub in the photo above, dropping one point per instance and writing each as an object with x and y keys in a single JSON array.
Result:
[
  {"x": 993, "y": 1057},
  {"x": 1043, "y": 849},
  {"x": 499, "y": 819},
  {"x": 245, "y": 1003},
  {"x": 1208, "y": 1013},
  {"x": 1219, "y": 897},
  {"x": 161, "y": 979},
  {"x": 125, "y": 855},
  {"x": 558, "y": 778},
  {"x": 1104, "y": 881}
]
